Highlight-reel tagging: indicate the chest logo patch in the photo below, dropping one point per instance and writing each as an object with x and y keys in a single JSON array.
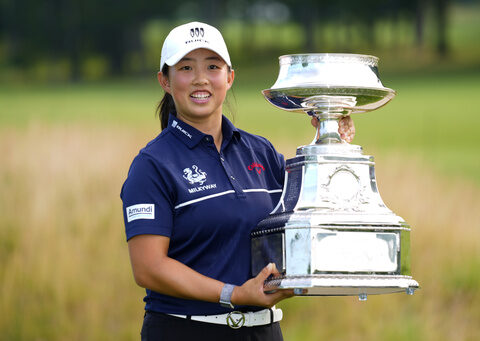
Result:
[
  {"x": 194, "y": 175},
  {"x": 257, "y": 166}
]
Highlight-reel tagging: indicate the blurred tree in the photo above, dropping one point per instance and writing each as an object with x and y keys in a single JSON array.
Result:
[
  {"x": 441, "y": 13},
  {"x": 20, "y": 30},
  {"x": 213, "y": 11},
  {"x": 75, "y": 30},
  {"x": 420, "y": 9},
  {"x": 69, "y": 29},
  {"x": 310, "y": 15}
]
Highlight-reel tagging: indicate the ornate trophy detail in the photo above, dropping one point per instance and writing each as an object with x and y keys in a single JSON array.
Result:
[{"x": 331, "y": 233}]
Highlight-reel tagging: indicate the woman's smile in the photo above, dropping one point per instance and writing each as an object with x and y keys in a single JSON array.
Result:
[{"x": 200, "y": 96}]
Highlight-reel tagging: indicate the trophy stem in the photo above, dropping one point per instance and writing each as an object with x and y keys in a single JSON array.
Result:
[{"x": 327, "y": 129}]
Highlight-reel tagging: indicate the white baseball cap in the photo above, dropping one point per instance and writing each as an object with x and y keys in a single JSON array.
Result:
[{"x": 188, "y": 37}]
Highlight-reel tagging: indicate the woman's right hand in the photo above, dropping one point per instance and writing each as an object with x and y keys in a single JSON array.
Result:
[{"x": 252, "y": 291}]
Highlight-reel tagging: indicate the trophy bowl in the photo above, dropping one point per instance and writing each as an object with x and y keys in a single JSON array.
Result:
[
  {"x": 331, "y": 233},
  {"x": 317, "y": 81},
  {"x": 328, "y": 86}
]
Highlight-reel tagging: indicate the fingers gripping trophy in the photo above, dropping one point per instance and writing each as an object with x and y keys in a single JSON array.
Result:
[{"x": 331, "y": 233}]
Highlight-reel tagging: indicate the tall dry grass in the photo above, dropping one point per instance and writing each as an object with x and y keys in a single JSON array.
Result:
[
  {"x": 445, "y": 249},
  {"x": 64, "y": 267},
  {"x": 65, "y": 271}
]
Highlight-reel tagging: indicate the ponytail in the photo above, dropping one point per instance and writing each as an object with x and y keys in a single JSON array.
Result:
[{"x": 166, "y": 106}]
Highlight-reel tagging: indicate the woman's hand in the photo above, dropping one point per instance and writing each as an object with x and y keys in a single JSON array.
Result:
[
  {"x": 153, "y": 269},
  {"x": 346, "y": 128},
  {"x": 252, "y": 292}
]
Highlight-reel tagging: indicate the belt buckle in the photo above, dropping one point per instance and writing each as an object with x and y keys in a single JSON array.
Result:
[{"x": 236, "y": 319}]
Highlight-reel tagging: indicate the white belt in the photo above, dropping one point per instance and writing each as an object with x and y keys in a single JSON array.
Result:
[{"x": 237, "y": 319}]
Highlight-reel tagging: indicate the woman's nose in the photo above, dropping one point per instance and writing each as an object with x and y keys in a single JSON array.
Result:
[{"x": 200, "y": 77}]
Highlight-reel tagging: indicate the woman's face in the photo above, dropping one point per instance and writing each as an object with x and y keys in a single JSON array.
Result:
[{"x": 198, "y": 84}]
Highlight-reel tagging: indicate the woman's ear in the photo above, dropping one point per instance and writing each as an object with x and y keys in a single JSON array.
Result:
[
  {"x": 230, "y": 78},
  {"x": 163, "y": 80}
]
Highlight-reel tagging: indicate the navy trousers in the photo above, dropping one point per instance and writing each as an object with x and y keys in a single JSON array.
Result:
[{"x": 163, "y": 327}]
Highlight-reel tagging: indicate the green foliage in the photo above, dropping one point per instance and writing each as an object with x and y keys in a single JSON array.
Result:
[{"x": 52, "y": 41}]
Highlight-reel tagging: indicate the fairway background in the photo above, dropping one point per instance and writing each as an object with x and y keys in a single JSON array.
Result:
[{"x": 66, "y": 148}]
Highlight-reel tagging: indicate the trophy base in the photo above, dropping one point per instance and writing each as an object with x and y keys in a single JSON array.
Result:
[
  {"x": 343, "y": 285},
  {"x": 331, "y": 234}
]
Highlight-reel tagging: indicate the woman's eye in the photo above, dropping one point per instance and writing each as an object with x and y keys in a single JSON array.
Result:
[
  {"x": 213, "y": 66},
  {"x": 186, "y": 67}
]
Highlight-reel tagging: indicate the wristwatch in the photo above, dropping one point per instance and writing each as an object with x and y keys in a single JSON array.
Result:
[{"x": 226, "y": 296}]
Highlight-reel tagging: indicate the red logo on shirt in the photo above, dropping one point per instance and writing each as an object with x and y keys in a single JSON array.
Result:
[{"x": 257, "y": 166}]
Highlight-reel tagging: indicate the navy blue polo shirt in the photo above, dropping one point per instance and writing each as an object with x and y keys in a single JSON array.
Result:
[{"x": 207, "y": 202}]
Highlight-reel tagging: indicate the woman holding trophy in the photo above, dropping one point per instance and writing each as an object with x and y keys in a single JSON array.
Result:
[{"x": 192, "y": 197}]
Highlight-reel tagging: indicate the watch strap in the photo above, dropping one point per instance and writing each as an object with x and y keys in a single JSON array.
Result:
[{"x": 226, "y": 295}]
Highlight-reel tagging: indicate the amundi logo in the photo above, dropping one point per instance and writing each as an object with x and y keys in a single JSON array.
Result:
[{"x": 140, "y": 211}]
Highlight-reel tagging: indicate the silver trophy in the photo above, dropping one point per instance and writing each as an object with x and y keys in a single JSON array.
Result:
[{"x": 331, "y": 233}]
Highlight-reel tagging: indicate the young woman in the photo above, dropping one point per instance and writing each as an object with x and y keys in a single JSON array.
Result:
[{"x": 193, "y": 195}]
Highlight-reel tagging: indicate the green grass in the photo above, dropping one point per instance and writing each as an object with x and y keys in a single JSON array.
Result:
[
  {"x": 434, "y": 116},
  {"x": 104, "y": 102}
]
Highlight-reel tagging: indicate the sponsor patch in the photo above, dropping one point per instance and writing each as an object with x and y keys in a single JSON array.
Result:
[
  {"x": 257, "y": 166},
  {"x": 194, "y": 175},
  {"x": 140, "y": 211},
  {"x": 176, "y": 125},
  {"x": 202, "y": 188}
]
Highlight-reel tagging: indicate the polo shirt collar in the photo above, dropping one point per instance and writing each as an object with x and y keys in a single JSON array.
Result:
[
  {"x": 229, "y": 130},
  {"x": 192, "y": 136},
  {"x": 185, "y": 132}
]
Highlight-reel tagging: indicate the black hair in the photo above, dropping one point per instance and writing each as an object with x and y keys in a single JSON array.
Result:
[{"x": 166, "y": 106}]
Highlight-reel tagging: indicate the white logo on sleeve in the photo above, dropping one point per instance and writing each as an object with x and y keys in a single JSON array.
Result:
[{"x": 140, "y": 211}]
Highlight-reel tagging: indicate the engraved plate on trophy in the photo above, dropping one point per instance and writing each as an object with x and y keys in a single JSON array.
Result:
[{"x": 331, "y": 233}]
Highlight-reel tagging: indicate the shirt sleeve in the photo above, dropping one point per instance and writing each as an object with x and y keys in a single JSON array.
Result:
[
  {"x": 147, "y": 200},
  {"x": 280, "y": 163}
]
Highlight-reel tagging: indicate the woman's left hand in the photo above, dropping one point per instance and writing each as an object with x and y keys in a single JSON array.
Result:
[{"x": 346, "y": 128}]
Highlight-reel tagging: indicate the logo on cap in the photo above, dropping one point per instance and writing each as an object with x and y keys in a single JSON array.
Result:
[{"x": 197, "y": 32}]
